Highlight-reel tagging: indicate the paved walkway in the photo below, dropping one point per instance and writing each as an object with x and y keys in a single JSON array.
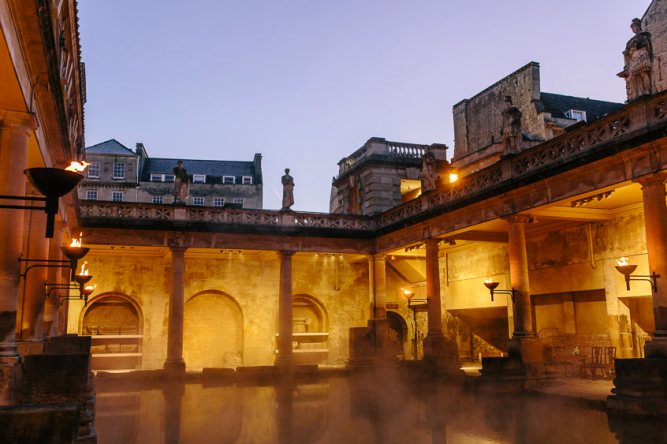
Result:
[{"x": 591, "y": 392}]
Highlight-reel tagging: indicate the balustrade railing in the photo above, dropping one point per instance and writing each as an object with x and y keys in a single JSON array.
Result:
[
  {"x": 127, "y": 210},
  {"x": 539, "y": 158}
]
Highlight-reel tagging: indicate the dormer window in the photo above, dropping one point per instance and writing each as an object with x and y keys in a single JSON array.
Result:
[
  {"x": 198, "y": 178},
  {"x": 246, "y": 180},
  {"x": 228, "y": 179},
  {"x": 576, "y": 115}
]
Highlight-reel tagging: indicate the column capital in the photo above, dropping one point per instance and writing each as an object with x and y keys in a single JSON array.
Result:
[
  {"x": 380, "y": 257},
  {"x": 655, "y": 179},
  {"x": 434, "y": 241},
  {"x": 18, "y": 121},
  {"x": 178, "y": 251},
  {"x": 516, "y": 218},
  {"x": 285, "y": 253}
]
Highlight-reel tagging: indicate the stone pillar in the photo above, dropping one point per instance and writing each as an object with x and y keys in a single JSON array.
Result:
[
  {"x": 655, "y": 220},
  {"x": 52, "y": 304},
  {"x": 569, "y": 314},
  {"x": 285, "y": 356},
  {"x": 33, "y": 297},
  {"x": 379, "y": 308},
  {"x": 371, "y": 285},
  {"x": 523, "y": 322},
  {"x": 174, "y": 364},
  {"x": 15, "y": 130},
  {"x": 523, "y": 344},
  {"x": 438, "y": 350},
  {"x": 173, "y": 402}
]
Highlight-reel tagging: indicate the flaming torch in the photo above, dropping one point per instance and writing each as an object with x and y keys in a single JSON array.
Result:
[
  {"x": 626, "y": 270},
  {"x": 53, "y": 183},
  {"x": 77, "y": 167},
  {"x": 75, "y": 252}
]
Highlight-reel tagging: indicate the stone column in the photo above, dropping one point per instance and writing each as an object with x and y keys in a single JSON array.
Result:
[
  {"x": 33, "y": 297},
  {"x": 52, "y": 304},
  {"x": 655, "y": 220},
  {"x": 285, "y": 356},
  {"x": 433, "y": 289},
  {"x": 371, "y": 285},
  {"x": 379, "y": 308},
  {"x": 174, "y": 364},
  {"x": 438, "y": 350},
  {"x": 523, "y": 322},
  {"x": 15, "y": 130}
]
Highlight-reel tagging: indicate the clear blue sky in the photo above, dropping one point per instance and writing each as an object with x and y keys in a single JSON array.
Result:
[{"x": 307, "y": 82}]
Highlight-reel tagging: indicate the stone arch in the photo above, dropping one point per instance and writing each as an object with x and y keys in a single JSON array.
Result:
[
  {"x": 400, "y": 328},
  {"x": 212, "y": 331},
  {"x": 312, "y": 311},
  {"x": 110, "y": 311}
]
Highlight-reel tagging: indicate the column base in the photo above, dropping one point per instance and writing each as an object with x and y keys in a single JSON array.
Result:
[
  {"x": 502, "y": 375},
  {"x": 10, "y": 373},
  {"x": 656, "y": 349},
  {"x": 372, "y": 345},
  {"x": 640, "y": 387},
  {"x": 442, "y": 353},
  {"x": 174, "y": 368},
  {"x": 286, "y": 364}
]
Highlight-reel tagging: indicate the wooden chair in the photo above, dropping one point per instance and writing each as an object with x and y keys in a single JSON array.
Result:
[
  {"x": 559, "y": 359},
  {"x": 609, "y": 357},
  {"x": 595, "y": 364}
]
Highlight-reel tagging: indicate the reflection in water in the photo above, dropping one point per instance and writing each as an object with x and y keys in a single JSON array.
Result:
[{"x": 364, "y": 409}]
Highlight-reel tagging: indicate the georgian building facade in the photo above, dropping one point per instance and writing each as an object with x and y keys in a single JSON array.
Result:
[{"x": 118, "y": 174}]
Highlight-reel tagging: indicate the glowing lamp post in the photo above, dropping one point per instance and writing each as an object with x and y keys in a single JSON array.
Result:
[
  {"x": 492, "y": 285},
  {"x": 627, "y": 269}
]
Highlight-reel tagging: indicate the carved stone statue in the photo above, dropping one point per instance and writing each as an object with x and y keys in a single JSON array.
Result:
[
  {"x": 511, "y": 129},
  {"x": 638, "y": 56},
  {"x": 181, "y": 184},
  {"x": 429, "y": 172},
  {"x": 288, "y": 191}
]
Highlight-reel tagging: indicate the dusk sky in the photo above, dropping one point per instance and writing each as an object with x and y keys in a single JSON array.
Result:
[{"x": 306, "y": 83}]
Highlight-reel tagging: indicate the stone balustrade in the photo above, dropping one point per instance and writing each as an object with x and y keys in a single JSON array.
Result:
[
  {"x": 548, "y": 158},
  {"x": 96, "y": 210},
  {"x": 578, "y": 147}
]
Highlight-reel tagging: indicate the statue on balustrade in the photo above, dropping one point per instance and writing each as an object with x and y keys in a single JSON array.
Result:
[
  {"x": 181, "y": 183},
  {"x": 511, "y": 129},
  {"x": 638, "y": 69},
  {"x": 288, "y": 191},
  {"x": 429, "y": 172}
]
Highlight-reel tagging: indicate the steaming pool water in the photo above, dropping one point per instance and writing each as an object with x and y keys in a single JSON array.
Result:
[{"x": 360, "y": 409}]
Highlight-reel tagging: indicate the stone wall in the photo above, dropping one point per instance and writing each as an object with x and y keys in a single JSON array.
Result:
[
  {"x": 655, "y": 22},
  {"x": 231, "y": 303},
  {"x": 477, "y": 121}
]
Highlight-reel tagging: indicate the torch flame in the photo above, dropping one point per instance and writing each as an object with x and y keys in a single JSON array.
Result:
[
  {"x": 453, "y": 177},
  {"x": 622, "y": 262},
  {"x": 489, "y": 281},
  {"x": 77, "y": 167},
  {"x": 91, "y": 287},
  {"x": 76, "y": 242},
  {"x": 84, "y": 270}
]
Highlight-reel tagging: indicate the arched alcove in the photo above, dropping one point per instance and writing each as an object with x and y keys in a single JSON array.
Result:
[
  {"x": 399, "y": 329},
  {"x": 115, "y": 323},
  {"x": 310, "y": 330},
  {"x": 212, "y": 331},
  {"x": 308, "y": 314}
]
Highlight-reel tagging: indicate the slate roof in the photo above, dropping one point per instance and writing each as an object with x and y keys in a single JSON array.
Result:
[
  {"x": 110, "y": 147},
  {"x": 213, "y": 169},
  {"x": 557, "y": 105}
]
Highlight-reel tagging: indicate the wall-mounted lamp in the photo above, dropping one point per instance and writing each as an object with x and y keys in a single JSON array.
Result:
[
  {"x": 491, "y": 285},
  {"x": 626, "y": 270},
  {"x": 409, "y": 295},
  {"x": 53, "y": 183}
]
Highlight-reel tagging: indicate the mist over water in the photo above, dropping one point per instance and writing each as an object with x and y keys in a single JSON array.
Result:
[{"x": 361, "y": 409}]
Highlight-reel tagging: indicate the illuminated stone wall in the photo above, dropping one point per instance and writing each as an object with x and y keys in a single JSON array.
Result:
[{"x": 231, "y": 307}]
